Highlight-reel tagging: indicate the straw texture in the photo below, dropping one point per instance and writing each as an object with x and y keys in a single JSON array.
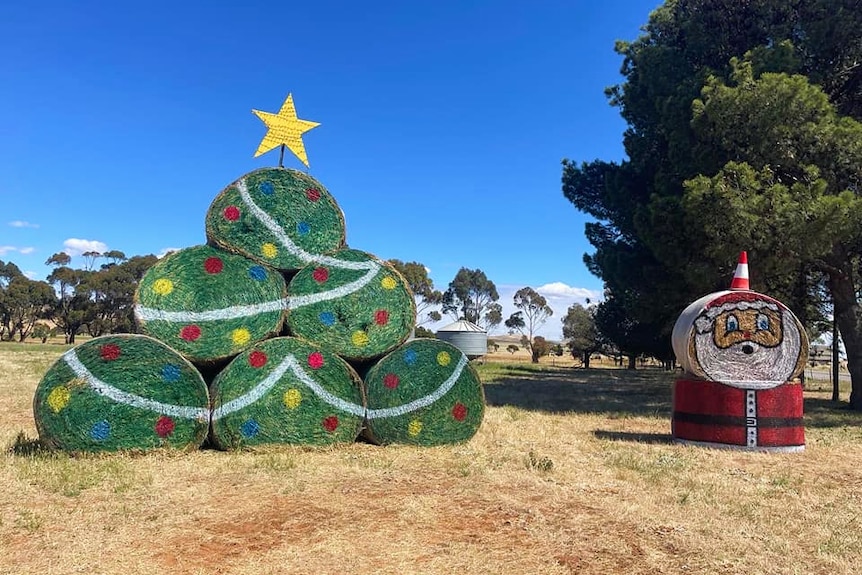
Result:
[
  {"x": 286, "y": 390},
  {"x": 423, "y": 393},
  {"x": 121, "y": 392},
  {"x": 278, "y": 216},
  {"x": 209, "y": 304},
  {"x": 352, "y": 304}
]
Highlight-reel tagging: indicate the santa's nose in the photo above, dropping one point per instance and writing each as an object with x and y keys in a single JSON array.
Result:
[{"x": 746, "y": 334}]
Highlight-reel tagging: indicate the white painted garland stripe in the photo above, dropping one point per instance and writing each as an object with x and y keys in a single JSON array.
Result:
[
  {"x": 255, "y": 393},
  {"x": 269, "y": 222},
  {"x": 288, "y": 363},
  {"x": 183, "y": 316},
  {"x": 233, "y": 312},
  {"x": 422, "y": 401},
  {"x": 120, "y": 396},
  {"x": 343, "y": 290},
  {"x": 327, "y": 397},
  {"x": 258, "y": 391}
]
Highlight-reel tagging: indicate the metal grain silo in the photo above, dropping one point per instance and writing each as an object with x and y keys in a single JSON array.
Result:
[{"x": 466, "y": 336}]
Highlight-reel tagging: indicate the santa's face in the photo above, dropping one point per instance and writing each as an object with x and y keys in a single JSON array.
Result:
[
  {"x": 760, "y": 326},
  {"x": 746, "y": 339}
]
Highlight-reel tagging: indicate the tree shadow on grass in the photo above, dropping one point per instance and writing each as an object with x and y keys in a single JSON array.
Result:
[
  {"x": 622, "y": 393},
  {"x": 607, "y": 391},
  {"x": 824, "y": 413},
  {"x": 655, "y": 438}
]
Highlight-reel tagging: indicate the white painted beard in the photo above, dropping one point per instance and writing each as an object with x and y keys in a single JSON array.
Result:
[{"x": 747, "y": 364}]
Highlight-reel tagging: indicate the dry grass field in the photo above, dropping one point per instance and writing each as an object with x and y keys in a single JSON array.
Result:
[{"x": 572, "y": 471}]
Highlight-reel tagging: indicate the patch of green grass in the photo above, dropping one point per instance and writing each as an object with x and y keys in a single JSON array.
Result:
[
  {"x": 539, "y": 463},
  {"x": 276, "y": 463},
  {"x": 28, "y": 521},
  {"x": 60, "y": 473},
  {"x": 653, "y": 467}
]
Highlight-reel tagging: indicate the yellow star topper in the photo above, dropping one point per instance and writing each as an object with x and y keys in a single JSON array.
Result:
[{"x": 284, "y": 129}]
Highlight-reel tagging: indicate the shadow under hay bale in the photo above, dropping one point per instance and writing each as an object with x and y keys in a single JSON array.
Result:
[
  {"x": 209, "y": 304},
  {"x": 423, "y": 393},
  {"x": 351, "y": 303},
  {"x": 285, "y": 390},
  {"x": 122, "y": 392},
  {"x": 278, "y": 216}
]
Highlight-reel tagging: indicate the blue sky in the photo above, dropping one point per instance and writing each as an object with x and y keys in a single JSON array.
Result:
[{"x": 442, "y": 125}]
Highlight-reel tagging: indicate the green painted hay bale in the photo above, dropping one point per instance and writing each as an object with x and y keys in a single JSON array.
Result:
[
  {"x": 351, "y": 303},
  {"x": 286, "y": 390},
  {"x": 423, "y": 393},
  {"x": 122, "y": 392},
  {"x": 209, "y": 304},
  {"x": 277, "y": 216}
]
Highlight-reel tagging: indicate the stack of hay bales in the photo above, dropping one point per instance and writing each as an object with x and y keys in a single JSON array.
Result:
[{"x": 283, "y": 318}]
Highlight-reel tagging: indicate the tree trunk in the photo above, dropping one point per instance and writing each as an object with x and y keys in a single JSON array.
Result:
[
  {"x": 849, "y": 315},
  {"x": 632, "y": 362},
  {"x": 586, "y": 360},
  {"x": 836, "y": 391}
]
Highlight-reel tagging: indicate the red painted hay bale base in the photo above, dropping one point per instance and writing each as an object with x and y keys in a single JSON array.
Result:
[{"x": 713, "y": 414}]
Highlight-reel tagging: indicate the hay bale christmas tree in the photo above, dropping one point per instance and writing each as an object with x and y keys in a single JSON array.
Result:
[
  {"x": 352, "y": 303},
  {"x": 286, "y": 390},
  {"x": 122, "y": 392},
  {"x": 209, "y": 304},
  {"x": 278, "y": 216},
  {"x": 423, "y": 393},
  {"x": 222, "y": 307}
]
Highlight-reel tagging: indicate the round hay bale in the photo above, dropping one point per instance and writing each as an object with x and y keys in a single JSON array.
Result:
[
  {"x": 277, "y": 216},
  {"x": 740, "y": 338},
  {"x": 423, "y": 393},
  {"x": 122, "y": 392},
  {"x": 209, "y": 304},
  {"x": 712, "y": 414},
  {"x": 285, "y": 390},
  {"x": 351, "y": 303}
]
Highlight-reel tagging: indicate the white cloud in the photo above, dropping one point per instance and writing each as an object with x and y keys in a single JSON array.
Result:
[
  {"x": 76, "y": 247},
  {"x": 30, "y": 274},
  {"x": 166, "y": 251},
  {"x": 22, "y": 224},
  {"x": 6, "y": 249},
  {"x": 559, "y": 290},
  {"x": 27, "y": 250}
]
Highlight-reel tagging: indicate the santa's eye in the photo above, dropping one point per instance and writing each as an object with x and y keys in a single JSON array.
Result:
[
  {"x": 731, "y": 324},
  {"x": 762, "y": 322}
]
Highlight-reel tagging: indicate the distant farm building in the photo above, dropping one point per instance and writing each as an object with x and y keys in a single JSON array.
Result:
[{"x": 466, "y": 336}]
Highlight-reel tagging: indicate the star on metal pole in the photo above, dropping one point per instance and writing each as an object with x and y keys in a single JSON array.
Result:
[{"x": 284, "y": 129}]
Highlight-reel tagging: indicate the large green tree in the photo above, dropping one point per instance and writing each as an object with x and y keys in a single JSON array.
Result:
[
  {"x": 580, "y": 333},
  {"x": 472, "y": 296},
  {"x": 22, "y": 303},
  {"x": 111, "y": 292},
  {"x": 741, "y": 135},
  {"x": 422, "y": 286},
  {"x": 533, "y": 312}
]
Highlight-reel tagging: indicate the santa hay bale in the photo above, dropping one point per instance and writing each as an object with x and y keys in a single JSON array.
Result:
[{"x": 741, "y": 352}]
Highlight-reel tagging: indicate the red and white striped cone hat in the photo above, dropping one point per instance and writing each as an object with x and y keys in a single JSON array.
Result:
[{"x": 740, "y": 277}]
